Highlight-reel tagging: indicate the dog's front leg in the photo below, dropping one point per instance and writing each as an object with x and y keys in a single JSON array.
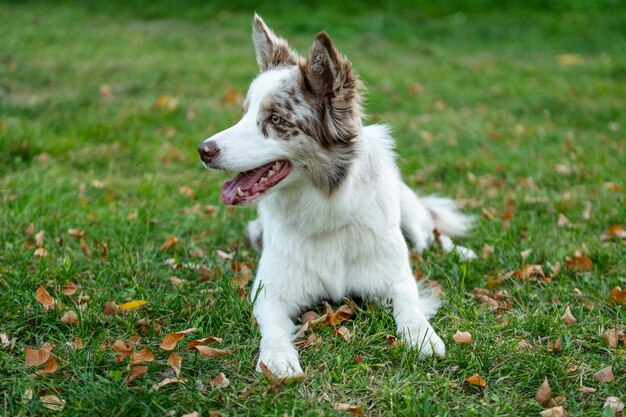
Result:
[
  {"x": 412, "y": 324},
  {"x": 277, "y": 330}
]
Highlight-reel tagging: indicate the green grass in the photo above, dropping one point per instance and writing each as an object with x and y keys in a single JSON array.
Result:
[{"x": 482, "y": 109}]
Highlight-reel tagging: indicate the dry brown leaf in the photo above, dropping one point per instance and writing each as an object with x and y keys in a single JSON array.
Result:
[
  {"x": 352, "y": 409},
  {"x": 39, "y": 238},
  {"x": 554, "y": 412},
  {"x": 44, "y": 298},
  {"x": 169, "y": 242},
  {"x": 567, "y": 317},
  {"x": 224, "y": 256},
  {"x": 310, "y": 341},
  {"x": 40, "y": 253},
  {"x": 618, "y": 295},
  {"x": 6, "y": 342},
  {"x": 309, "y": 316},
  {"x": 266, "y": 371},
  {"x": 50, "y": 368},
  {"x": 165, "y": 382},
  {"x": 135, "y": 372},
  {"x": 209, "y": 352},
  {"x": 84, "y": 246},
  {"x": 110, "y": 308},
  {"x": 579, "y": 263},
  {"x": 343, "y": 313},
  {"x": 30, "y": 230},
  {"x": 544, "y": 393},
  {"x": 586, "y": 390},
  {"x": 612, "y": 337},
  {"x": 523, "y": 344},
  {"x": 204, "y": 341},
  {"x": 166, "y": 103},
  {"x": 462, "y": 338},
  {"x": 192, "y": 414},
  {"x": 232, "y": 96},
  {"x": 69, "y": 288},
  {"x": 615, "y": 404},
  {"x": 615, "y": 231},
  {"x": 52, "y": 402},
  {"x": 170, "y": 340},
  {"x": 77, "y": 233},
  {"x": 78, "y": 343},
  {"x": 175, "y": 362},
  {"x": 563, "y": 221},
  {"x": 476, "y": 380},
  {"x": 187, "y": 192},
  {"x": 604, "y": 375},
  {"x": 70, "y": 318},
  {"x": 220, "y": 381},
  {"x": 343, "y": 332},
  {"x": 123, "y": 350},
  {"x": 555, "y": 346},
  {"x": 36, "y": 357},
  {"x": 143, "y": 356}
]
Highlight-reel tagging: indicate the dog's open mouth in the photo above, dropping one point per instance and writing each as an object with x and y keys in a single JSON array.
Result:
[{"x": 249, "y": 186}]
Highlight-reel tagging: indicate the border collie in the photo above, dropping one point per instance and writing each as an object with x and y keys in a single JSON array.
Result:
[{"x": 333, "y": 210}]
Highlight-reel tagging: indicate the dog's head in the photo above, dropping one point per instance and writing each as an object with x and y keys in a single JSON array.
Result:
[{"x": 301, "y": 119}]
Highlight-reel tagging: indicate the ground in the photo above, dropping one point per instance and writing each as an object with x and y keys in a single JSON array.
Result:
[{"x": 518, "y": 113}]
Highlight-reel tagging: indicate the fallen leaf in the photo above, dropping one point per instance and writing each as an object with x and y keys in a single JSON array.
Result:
[
  {"x": 352, "y": 409},
  {"x": 169, "y": 242},
  {"x": 40, "y": 253},
  {"x": 220, "y": 381},
  {"x": 135, "y": 372},
  {"x": 563, "y": 221},
  {"x": 544, "y": 393},
  {"x": 554, "y": 412},
  {"x": 166, "y": 102},
  {"x": 84, "y": 246},
  {"x": 52, "y": 402},
  {"x": 462, "y": 338},
  {"x": 615, "y": 231},
  {"x": 343, "y": 313},
  {"x": 567, "y": 317},
  {"x": 579, "y": 263},
  {"x": 612, "y": 337},
  {"x": 224, "y": 256},
  {"x": 165, "y": 382},
  {"x": 77, "y": 233},
  {"x": 209, "y": 352},
  {"x": 566, "y": 60},
  {"x": 6, "y": 342},
  {"x": 266, "y": 371},
  {"x": 69, "y": 288},
  {"x": 618, "y": 295},
  {"x": 192, "y": 414},
  {"x": 51, "y": 367},
  {"x": 70, "y": 318},
  {"x": 486, "y": 251},
  {"x": 132, "y": 305},
  {"x": 39, "y": 238},
  {"x": 44, "y": 298},
  {"x": 493, "y": 282},
  {"x": 232, "y": 96},
  {"x": 36, "y": 357},
  {"x": 197, "y": 253},
  {"x": 30, "y": 230},
  {"x": 204, "y": 341},
  {"x": 604, "y": 375},
  {"x": 110, "y": 308},
  {"x": 170, "y": 340},
  {"x": 78, "y": 343},
  {"x": 343, "y": 332},
  {"x": 586, "y": 390},
  {"x": 309, "y": 316},
  {"x": 123, "y": 350},
  {"x": 143, "y": 356},
  {"x": 187, "y": 192},
  {"x": 523, "y": 344},
  {"x": 555, "y": 346},
  {"x": 310, "y": 341},
  {"x": 615, "y": 404},
  {"x": 476, "y": 380},
  {"x": 392, "y": 340},
  {"x": 177, "y": 281},
  {"x": 175, "y": 362}
]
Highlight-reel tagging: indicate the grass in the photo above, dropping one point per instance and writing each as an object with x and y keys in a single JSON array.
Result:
[{"x": 491, "y": 106}]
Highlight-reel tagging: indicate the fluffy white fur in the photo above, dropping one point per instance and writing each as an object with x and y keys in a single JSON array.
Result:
[{"x": 349, "y": 243}]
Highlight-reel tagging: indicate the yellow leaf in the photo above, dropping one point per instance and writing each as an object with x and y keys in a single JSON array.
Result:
[
  {"x": 132, "y": 305},
  {"x": 476, "y": 380}
]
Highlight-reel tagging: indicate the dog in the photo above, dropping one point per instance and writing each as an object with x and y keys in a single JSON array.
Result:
[{"x": 333, "y": 210}]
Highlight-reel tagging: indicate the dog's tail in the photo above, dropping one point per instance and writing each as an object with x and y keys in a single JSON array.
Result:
[
  {"x": 429, "y": 299},
  {"x": 448, "y": 218}
]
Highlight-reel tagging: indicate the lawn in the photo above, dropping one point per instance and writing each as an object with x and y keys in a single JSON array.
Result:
[{"x": 518, "y": 113}]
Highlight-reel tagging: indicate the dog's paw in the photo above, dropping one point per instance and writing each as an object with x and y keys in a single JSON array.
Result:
[
  {"x": 282, "y": 362},
  {"x": 425, "y": 341}
]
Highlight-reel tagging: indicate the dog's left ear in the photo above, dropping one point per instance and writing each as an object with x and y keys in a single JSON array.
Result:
[
  {"x": 271, "y": 51},
  {"x": 327, "y": 73}
]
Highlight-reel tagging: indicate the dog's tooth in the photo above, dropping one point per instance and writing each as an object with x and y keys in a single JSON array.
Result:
[
  {"x": 263, "y": 179},
  {"x": 239, "y": 192},
  {"x": 270, "y": 173},
  {"x": 277, "y": 165}
]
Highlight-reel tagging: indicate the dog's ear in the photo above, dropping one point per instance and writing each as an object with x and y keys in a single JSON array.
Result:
[
  {"x": 271, "y": 51},
  {"x": 327, "y": 72}
]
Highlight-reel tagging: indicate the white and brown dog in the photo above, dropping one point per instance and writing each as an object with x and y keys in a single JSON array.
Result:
[{"x": 333, "y": 210}]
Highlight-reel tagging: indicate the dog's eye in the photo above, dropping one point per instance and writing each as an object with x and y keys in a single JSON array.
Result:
[{"x": 276, "y": 119}]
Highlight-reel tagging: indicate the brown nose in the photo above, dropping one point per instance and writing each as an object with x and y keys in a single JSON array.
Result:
[{"x": 208, "y": 151}]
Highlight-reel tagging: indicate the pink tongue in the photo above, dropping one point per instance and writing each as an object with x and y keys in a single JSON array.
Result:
[{"x": 243, "y": 180}]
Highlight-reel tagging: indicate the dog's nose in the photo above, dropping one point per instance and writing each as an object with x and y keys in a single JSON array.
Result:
[{"x": 208, "y": 151}]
